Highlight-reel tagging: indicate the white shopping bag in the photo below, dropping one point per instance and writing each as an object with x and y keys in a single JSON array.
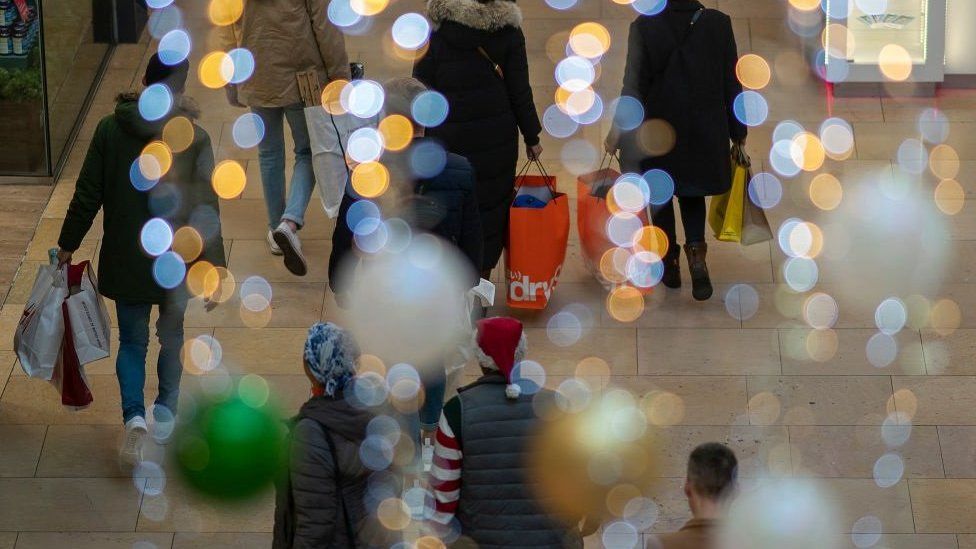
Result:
[
  {"x": 40, "y": 330},
  {"x": 328, "y": 136},
  {"x": 91, "y": 328}
]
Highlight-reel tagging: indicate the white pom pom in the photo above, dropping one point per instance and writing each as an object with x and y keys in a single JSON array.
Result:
[{"x": 512, "y": 391}]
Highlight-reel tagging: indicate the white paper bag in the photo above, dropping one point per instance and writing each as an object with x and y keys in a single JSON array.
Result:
[
  {"x": 91, "y": 328},
  {"x": 40, "y": 330},
  {"x": 328, "y": 136}
]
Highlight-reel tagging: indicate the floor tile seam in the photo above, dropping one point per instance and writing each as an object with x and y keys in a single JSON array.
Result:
[{"x": 938, "y": 437}]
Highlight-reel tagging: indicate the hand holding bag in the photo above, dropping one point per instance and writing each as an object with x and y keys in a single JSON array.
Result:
[
  {"x": 537, "y": 239},
  {"x": 726, "y": 211}
]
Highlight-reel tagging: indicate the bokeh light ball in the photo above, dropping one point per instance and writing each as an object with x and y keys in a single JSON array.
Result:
[{"x": 231, "y": 448}]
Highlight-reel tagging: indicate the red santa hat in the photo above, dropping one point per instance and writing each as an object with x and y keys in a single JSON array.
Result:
[{"x": 500, "y": 345}]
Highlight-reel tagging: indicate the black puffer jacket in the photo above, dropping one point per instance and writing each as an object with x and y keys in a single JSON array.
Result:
[
  {"x": 319, "y": 518},
  {"x": 486, "y": 109}
]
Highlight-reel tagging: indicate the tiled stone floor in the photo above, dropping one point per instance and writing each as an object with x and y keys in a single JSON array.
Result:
[{"x": 746, "y": 382}]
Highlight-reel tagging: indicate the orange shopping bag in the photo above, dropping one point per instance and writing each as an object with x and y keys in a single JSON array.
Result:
[
  {"x": 594, "y": 209},
  {"x": 538, "y": 230}
]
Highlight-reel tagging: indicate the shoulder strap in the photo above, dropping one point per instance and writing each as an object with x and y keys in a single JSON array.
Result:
[
  {"x": 498, "y": 70},
  {"x": 691, "y": 26}
]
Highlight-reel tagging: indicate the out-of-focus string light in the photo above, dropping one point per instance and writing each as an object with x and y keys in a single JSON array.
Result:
[
  {"x": 765, "y": 190},
  {"x": 944, "y": 162},
  {"x": 363, "y": 98},
  {"x": 164, "y": 20},
  {"x": 753, "y": 71},
  {"x": 625, "y": 304},
  {"x": 557, "y": 123},
  {"x": 342, "y": 14},
  {"x": 656, "y": 137},
  {"x": 248, "y": 130},
  {"x": 933, "y": 124},
  {"x": 826, "y": 191},
  {"x": 912, "y": 156},
  {"x": 807, "y": 152},
  {"x": 590, "y": 40},
  {"x": 575, "y": 73},
  {"x": 751, "y": 108},
  {"x": 805, "y": 5},
  {"x": 837, "y": 137},
  {"x": 649, "y": 7},
  {"x": 174, "y": 47},
  {"x": 188, "y": 243},
  {"x": 365, "y": 145},
  {"x": 225, "y": 12},
  {"x": 370, "y": 179},
  {"x": 178, "y": 134},
  {"x": 397, "y": 132},
  {"x": 895, "y": 62},
  {"x": 169, "y": 270},
  {"x": 155, "y": 161},
  {"x": 243, "y": 62},
  {"x": 429, "y": 108},
  {"x": 332, "y": 97},
  {"x": 156, "y": 237},
  {"x": 950, "y": 196},
  {"x": 410, "y": 31},
  {"x": 368, "y": 8},
  {"x": 216, "y": 70},
  {"x": 229, "y": 179},
  {"x": 628, "y": 112},
  {"x": 155, "y": 102}
]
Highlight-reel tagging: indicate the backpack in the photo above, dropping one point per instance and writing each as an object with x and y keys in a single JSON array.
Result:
[{"x": 284, "y": 522}]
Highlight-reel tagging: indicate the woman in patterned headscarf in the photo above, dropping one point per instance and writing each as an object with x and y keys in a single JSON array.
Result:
[{"x": 328, "y": 477}]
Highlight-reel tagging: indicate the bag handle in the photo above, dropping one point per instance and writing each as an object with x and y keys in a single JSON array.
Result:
[
  {"x": 739, "y": 155},
  {"x": 542, "y": 170}
]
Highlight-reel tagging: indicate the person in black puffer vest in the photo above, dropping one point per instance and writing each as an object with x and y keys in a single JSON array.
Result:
[
  {"x": 477, "y": 59},
  {"x": 484, "y": 495}
]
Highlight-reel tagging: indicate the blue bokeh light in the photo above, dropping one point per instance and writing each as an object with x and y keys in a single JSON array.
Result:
[
  {"x": 558, "y": 123},
  {"x": 164, "y": 20},
  {"x": 156, "y": 236},
  {"x": 360, "y": 211},
  {"x": 661, "y": 186},
  {"x": 138, "y": 180},
  {"x": 628, "y": 113},
  {"x": 649, "y": 7},
  {"x": 169, "y": 270},
  {"x": 243, "y": 61},
  {"x": 155, "y": 102},
  {"x": 174, "y": 47},
  {"x": 429, "y": 109},
  {"x": 411, "y": 30},
  {"x": 765, "y": 190},
  {"x": 248, "y": 130},
  {"x": 427, "y": 159},
  {"x": 750, "y": 108}
]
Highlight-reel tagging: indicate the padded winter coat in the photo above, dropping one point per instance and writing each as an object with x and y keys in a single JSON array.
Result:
[
  {"x": 701, "y": 116},
  {"x": 487, "y": 110},
  {"x": 285, "y": 37},
  {"x": 108, "y": 181}
]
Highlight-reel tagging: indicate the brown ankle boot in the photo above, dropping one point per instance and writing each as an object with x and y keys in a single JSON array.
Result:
[{"x": 701, "y": 284}]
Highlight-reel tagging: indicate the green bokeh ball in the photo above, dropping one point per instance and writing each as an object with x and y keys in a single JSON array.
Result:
[{"x": 230, "y": 449}]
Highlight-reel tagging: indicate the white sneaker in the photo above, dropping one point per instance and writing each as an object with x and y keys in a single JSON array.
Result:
[
  {"x": 275, "y": 250},
  {"x": 164, "y": 423},
  {"x": 291, "y": 247},
  {"x": 131, "y": 451}
]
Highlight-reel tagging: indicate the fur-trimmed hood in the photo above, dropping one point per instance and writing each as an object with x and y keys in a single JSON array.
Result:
[{"x": 488, "y": 17}]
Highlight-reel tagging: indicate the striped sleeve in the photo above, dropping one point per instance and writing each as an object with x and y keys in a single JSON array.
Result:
[{"x": 446, "y": 470}]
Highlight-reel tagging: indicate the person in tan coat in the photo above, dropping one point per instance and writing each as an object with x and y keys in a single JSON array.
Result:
[
  {"x": 709, "y": 487},
  {"x": 285, "y": 37}
]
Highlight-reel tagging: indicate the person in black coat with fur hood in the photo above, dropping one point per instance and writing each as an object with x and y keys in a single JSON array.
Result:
[{"x": 476, "y": 58}]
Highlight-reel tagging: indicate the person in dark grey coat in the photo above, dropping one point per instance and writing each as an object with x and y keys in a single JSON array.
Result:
[
  {"x": 477, "y": 59},
  {"x": 329, "y": 497},
  {"x": 681, "y": 68}
]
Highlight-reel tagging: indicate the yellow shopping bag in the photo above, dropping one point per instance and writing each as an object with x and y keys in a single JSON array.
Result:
[{"x": 725, "y": 212}]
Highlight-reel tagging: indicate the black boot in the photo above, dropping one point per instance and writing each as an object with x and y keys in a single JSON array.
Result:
[
  {"x": 672, "y": 267},
  {"x": 701, "y": 285}
]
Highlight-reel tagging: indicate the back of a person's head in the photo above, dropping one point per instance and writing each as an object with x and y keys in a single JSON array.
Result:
[
  {"x": 713, "y": 470},
  {"x": 173, "y": 76},
  {"x": 400, "y": 94}
]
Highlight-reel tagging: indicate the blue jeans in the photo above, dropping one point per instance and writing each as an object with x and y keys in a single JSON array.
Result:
[
  {"x": 271, "y": 155},
  {"x": 435, "y": 384},
  {"x": 130, "y": 365}
]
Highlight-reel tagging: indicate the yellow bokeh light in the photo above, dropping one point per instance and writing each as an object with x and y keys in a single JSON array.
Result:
[
  {"x": 821, "y": 345},
  {"x": 944, "y": 162},
  {"x": 197, "y": 356},
  {"x": 332, "y": 97},
  {"x": 368, "y": 8},
  {"x": 805, "y": 5},
  {"x": 625, "y": 304},
  {"x": 903, "y": 401},
  {"x": 651, "y": 239},
  {"x": 255, "y": 319},
  {"x": 155, "y": 160},
  {"x": 178, "y": 133},
  {"x": 371, "y": 363},
  {"x": 826, "y": 191},
  {"x": 197, "y": 278},
  {"x": 950, "y": 197},
  {"x": 188, "y": 243},
  {"x": 225, "y": 12},
  {"x": 589, "y": 39},
  {"x": 397, "y": 132},
  {"x": 594, "y": 370},
  {"x": 808, "y": 152},
  {"x": 753, "y": 71},
  {"x": 656, "y": 137},
  {"x": 370, "y": 179},
  {"x": 229, "y": 179},
  {"x": 945, "y": 316},
  {"x": 895, "y": 62},
  {"x": 806, "y": 240},
  {"x": 216, "y": 70},
  {"x": 575, "y": 103},
  {"x": 610, "y": 263},
  {"x": 664, "y": 409},
  {"x": 429, "y": 542},
  {"x": 619, "y": 496},
  {"x": 219, "y": 284},
  {"x": 764, "y": 408},
  {"x": 393, "y": 513}
]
